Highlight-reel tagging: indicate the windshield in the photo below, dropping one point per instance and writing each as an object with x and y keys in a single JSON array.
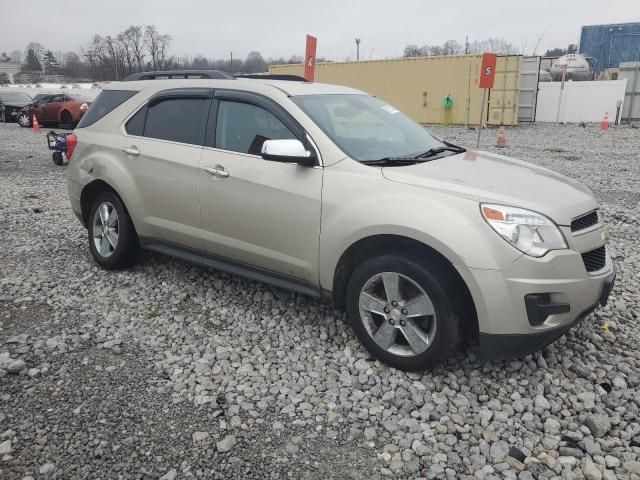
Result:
[
  {"x": 366, "y": 128},
  {"x": 15, "y": 97}
]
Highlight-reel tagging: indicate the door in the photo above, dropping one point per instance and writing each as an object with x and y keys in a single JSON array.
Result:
[
  {"x": 529, "y": 73},
  {"x": 261, "y": 213},
  {"x": 162, "y": 152},
  {"x": 503, "y": 97},
  {"x": 49, "y": 111}
]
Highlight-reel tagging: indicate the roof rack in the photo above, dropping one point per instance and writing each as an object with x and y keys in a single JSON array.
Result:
[
  {"x": 170, "y": 74},
  {"x": 270, "y": 76}
]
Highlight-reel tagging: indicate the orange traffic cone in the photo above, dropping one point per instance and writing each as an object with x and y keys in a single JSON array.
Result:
[
  {"x": 604, "y": 126},
  {"x": 502, "y": 139},
  {"x": 35, "y": 124}
]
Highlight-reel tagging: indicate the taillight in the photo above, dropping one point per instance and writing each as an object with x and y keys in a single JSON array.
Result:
[
  {"x": 72, "y": 141},
  {"x": 84, "y": 106}
]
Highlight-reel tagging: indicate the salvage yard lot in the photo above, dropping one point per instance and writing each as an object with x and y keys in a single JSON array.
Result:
[{"x": 174, "y": 371}]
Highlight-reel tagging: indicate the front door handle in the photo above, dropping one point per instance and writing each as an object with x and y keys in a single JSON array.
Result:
[
  {"x": 218, "y": 171},
  {"x": 133, "y": 151}
]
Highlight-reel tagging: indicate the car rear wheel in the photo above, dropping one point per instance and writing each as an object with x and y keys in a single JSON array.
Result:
[
  {"x": 112, "y": 237},
  {"x": 24, "y": 120},
  {"x": 66, "y": 118},
  {"x": 3, "y": 116},
  {"x": 401, "y": 311}
]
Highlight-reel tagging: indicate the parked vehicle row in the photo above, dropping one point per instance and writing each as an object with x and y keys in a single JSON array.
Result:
[{"x": 48, "y": 108}]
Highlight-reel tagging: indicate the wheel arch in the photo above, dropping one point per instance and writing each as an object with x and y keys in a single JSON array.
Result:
[
  {"x": 62, "y": 113},
  {"x": 376, "y": 245},
  {"x": 90, "y": 192}
]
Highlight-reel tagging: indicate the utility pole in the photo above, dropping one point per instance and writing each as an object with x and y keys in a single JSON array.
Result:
[
  {"x": 357, "y": 49},
  {"x": 466, "y": 45},
  {"x": 231, "y": 64}
]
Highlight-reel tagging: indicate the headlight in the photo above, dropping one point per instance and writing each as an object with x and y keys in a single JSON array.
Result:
[{"x": 530, "y": 232}]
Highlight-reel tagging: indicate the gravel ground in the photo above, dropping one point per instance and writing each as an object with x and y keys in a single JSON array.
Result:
[{"x": 173, "y": 371}]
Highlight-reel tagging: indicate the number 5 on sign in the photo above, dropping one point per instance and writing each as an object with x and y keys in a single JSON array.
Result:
[
  {"x": 488, "y": 70},
  {"x": 487, "y": 74}
]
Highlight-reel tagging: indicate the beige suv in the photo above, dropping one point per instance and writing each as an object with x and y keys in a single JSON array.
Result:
[{"x": 331, "y": 192}]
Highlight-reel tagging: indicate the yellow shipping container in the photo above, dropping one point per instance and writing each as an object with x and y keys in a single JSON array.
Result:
[{"x": 419, "y": 85}]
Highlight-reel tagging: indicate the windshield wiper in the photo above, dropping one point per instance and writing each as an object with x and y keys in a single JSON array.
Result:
[
  {"x": 435, "y": 151},
  {"x": 393, "y": 161}
]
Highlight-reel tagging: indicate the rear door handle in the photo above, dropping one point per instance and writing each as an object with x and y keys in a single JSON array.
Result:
[
  {"x": 133, "y": 151},
  {"x": 218, "y": 171}
]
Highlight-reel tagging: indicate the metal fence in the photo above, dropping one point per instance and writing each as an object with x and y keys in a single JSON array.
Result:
[{"x": 631, "y": 105}]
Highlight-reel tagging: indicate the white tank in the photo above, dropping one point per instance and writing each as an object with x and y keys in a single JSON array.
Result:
[{"x": 578, "y": 68}]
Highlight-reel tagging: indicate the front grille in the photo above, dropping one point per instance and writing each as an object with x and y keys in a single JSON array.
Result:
[
  {"x": 595, "y": 260},
  {"x": 585, "y": 221}
]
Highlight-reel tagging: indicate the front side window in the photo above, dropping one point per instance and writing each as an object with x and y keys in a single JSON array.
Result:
[
  {"x": 243, "y": 127},
  {"x": 366, "y": 128},
  {"x": 177, "y": 120}
]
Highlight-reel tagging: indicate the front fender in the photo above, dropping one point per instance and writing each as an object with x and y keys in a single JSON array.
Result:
[{"x": 359, "y": 204}]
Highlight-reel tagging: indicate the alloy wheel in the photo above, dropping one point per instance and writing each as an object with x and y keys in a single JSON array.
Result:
[
  {"x": 398, "y": 314},
  {"x": 106, "y": 229},
  {"x": 23, "y": 120}
]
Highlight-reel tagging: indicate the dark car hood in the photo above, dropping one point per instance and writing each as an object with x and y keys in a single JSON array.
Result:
[{"x": 16, "y": 104}]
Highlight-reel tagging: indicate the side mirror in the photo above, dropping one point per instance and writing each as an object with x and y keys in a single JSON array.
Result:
[{"x": 288, "y": 151}]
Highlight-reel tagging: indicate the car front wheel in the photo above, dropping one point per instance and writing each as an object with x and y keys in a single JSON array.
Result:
[
  {"x": 401, "y": 311},
  {"x": 112, "y": 237},
  {"x": 24, "y": 120}
]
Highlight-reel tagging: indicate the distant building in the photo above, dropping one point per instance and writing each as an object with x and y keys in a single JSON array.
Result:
[
  {"x": 608, "y": 45},
  {"x": 10, "y": 69}
]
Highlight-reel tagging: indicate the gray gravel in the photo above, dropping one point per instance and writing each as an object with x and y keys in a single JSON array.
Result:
[{"x": 172, "y": 371}]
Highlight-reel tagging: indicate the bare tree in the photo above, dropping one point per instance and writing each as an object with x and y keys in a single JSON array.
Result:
[
  {"x": 254, "y": 63},
  {"x": 412, "y": 51},
  {"x": 157, "y": 46},
  {"x": 73, "y": 65},
  {"x": 38, "y": 50},
  {"x": 493, "y": 45},
  {"x": 451, "y": 47},
  {"x": 133, "y": 38}
]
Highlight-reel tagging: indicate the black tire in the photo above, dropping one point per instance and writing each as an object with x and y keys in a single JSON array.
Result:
[
  {"x": 435, "y": 282},
  {"x": 66, "y": 118},
  {"x": 127, "y": 250},
  {"x": 24, "y": 120},
  {"x": 57, "y": 158}
]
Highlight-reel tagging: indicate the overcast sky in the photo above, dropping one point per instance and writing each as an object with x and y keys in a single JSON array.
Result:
[{"x": 277, "y": 27}]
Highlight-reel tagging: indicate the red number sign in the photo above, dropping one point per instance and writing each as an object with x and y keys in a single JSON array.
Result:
[
  {"x": 488, "y": 70},
  {"x": 310, "y": 59}
]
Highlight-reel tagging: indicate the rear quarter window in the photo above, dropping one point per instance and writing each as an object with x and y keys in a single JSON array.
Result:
[{"x": 105, "y": 102}]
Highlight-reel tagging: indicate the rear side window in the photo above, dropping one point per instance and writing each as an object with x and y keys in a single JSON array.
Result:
[
  {"x": 105, "y": 102},
  {"x": 176, "y": 119}
]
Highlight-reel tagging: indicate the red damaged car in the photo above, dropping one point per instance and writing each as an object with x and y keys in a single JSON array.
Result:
[{"x": 59, "y": 108}]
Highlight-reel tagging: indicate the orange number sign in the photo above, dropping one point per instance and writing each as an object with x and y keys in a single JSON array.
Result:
[{"x": 488, "y": 70}]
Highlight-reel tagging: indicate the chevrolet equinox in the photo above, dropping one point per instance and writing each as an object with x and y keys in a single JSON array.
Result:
[{"x": 331, "y": 192}]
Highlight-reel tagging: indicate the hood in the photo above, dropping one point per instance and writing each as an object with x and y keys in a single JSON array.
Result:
[
  {"x": 16, "y": 104},
  {"x": 487, "y": 177}
]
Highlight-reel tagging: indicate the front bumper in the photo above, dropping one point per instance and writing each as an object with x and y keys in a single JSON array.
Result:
[
  {"x": 507, "y": 329},
  {"x": 504, "y": 346}
]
